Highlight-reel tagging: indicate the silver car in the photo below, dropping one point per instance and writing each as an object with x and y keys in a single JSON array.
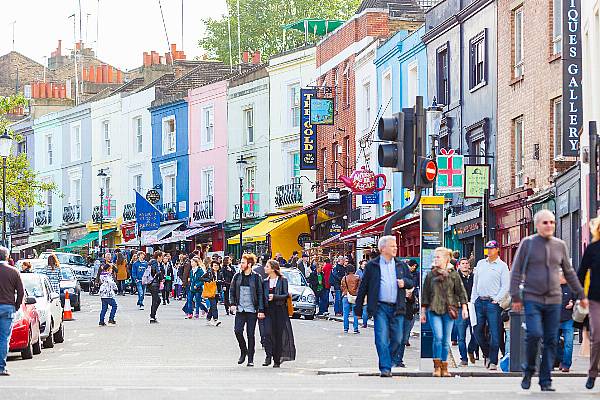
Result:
[{"x": 303, "y": 298}]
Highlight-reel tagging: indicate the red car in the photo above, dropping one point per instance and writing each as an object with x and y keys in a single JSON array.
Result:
[{"x": 25, "y": 336}]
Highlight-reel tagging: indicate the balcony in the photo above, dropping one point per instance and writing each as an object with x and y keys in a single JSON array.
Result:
[
  {"x": 129, "y": 212},
  {"x": 18, "y": 222},
  {"x": 71, "y": 214},
  {"x": 203, "y": 210},
  {"x": 43, "y": 217},
  {"x": 168, "y": 211},
  {"x": 288, "y": 195},
  {"x": 249, "y": 214}
]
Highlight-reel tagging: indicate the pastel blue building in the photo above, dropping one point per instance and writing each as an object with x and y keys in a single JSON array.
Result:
[{"x": 401, "y": 67}]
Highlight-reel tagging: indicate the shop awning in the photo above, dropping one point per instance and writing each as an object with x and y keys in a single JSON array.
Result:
[
  {"x": 17, "y": 249},
  {"x": 87, "y": 239},
  {"x": 150, "y": 238},
  {"x": 355, "y": 232},
  {"x": 259, "y": 232},
  {"x": 187, "y": 234},
  {"x": 314, "y": 205},
  {"x": 378, "y": 230}
]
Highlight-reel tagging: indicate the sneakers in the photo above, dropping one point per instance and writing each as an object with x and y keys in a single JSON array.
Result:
[
  {"x": 589, "y": 384},
  {"x": 4, "y": 373},
  {"x": 101, "y": 323},
  {"x": 526, "y": 382},
  {"x": 189, "y": 316},
  {"x": 112, "y": 322},
  {"x": 356, "y": 332},
  {"x": 464, "y": 363},
  {"x": 492, "y": 367},
  {"x": 215, "y": 322},
  {"x": 153, "y": 321},
  {"x": 197, "y": 316},
  {"x": 142, "y": 308}
]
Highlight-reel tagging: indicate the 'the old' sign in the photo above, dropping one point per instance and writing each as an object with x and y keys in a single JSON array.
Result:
[
  {"x": 572, "y": 93},
  {"x": 308, "y": 132}
]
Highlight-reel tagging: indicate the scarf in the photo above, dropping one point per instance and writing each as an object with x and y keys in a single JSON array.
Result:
[{"x": 440, "y": 273}]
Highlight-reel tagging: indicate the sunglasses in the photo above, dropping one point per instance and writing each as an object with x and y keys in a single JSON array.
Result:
[{"x": 548, "y": 222}]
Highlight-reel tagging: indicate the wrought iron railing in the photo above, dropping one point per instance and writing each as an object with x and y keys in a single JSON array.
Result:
[
  {"x": 72, "y": 213},
  {"x": 286, "y": 195},
  {"x": 96, "y": 214},
  {"x": 129, "y": 212},
  {"x": 203, "y": 209},
  {"x": 246, "y": 214},
  {"x": 168, "y": 211},
  {"x": 18, "y": 222},
  {"x": 43, "y": 217}
]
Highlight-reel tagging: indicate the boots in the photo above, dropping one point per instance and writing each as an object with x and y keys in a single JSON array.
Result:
[
  {"x": 267, "y": 361},
  {"x": 437, "y": 367},
  {"x": 445, "y": 372},
  {"x": 242, "y": 358}
]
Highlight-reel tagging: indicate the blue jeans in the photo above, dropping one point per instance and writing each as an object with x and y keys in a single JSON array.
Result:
[
  {"x": 337, "y": 304},
  {"x": 565, "y": 356},
  {"x": 113, "y": 309},
  {"x": 7, "y": 313},
  {"x": 365, "y": 316},
  {"x": 441, "y": 327},
  {"x": 490, "y": 314},
  {"x": 388, "y": 336},
  {"x": 323, "y": 298},
  {"x": 347, "y": 308},
  {"x": 141, "y": 290},
  {"x": 542, "y": 322},
  {"x": 462, "y": 325},
  {"x": 406, "y": 328},
  {"x": 194, "y": 299}
]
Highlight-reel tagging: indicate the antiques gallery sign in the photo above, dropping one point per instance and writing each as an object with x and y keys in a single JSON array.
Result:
[{"x": 572, "y": 93}]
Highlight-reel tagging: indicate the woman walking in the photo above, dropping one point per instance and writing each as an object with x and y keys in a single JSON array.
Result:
[
  {"x": 157, "y": 277},
  {"x": 277, "y": 321},
  {"x": 195, "y": 295},
  {"x": 107, "y": 295},
  {"x": 211, "y": 282},
  {"x": 443, "y": 296},
  {"x": 350, "y": 284},
  {"x": 591, "y": 263},
  {"x": 177, "y": 283},
  {"x": 168, "y": 285},
  {"x": 121, "y": 263},
  {"x": 52, "y": 271}
]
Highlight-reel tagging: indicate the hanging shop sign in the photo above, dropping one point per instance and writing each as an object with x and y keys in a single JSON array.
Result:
[
  {"x": 334, "y": 196},
  {"x": 450, "y": 177},
  {"x": 109, "y": 208},
  {"x": 321, "y": 111},
  {"x": 364, "y": 181},
  {"x": 572, "y": 103},
  {"x": 304, "y": 239},
  {"x": 251, "y": 201},
  {"x": 308, "y": 132},
  {"x": 372, "y": 198},
  {"x": 335, "y": 228},
  {"x": 477, "y": 180},
  {"x": 153, "y": 196}
]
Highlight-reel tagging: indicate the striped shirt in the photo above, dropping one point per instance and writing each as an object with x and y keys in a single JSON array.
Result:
[{"x": 53, "y": 277}]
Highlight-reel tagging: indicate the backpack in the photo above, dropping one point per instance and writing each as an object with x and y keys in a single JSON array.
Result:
[{"x": 147, "y": 278}]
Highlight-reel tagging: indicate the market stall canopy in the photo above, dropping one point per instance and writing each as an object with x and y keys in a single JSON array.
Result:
[
  {"x": 378, "y": 230},
  {"x": 87, "y": 239},
  {"x": 318, "y": 27},
  {"x": 150, "y": 238}
]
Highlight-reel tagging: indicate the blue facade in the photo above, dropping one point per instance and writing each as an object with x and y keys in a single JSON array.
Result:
[
  {"x": 404, "y": 57},
  {"x": 176, "y": 162}
]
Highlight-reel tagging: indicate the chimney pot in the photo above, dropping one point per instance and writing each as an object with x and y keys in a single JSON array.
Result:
[
  {"x": 245, "y": 57},
  {"x": 256, "y": 58}
]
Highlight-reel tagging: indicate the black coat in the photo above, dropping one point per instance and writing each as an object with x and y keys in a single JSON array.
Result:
[
  {"x": 280, "y": 293},
  {"x": 256, "y": 289},
  {"x": 370, "y": 283},
  {"x": 313, "y": 280}
]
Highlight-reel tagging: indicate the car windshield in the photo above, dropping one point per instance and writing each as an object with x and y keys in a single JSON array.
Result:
[
  {"x": 294, "y": 278},
  {"x": 63, "y": 258},
  {"x": 67, "y": 274},
  {"x": 33, "y": 285}
]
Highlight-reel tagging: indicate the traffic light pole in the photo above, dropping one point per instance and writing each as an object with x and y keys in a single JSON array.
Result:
[{"x": 401, "y": 213}]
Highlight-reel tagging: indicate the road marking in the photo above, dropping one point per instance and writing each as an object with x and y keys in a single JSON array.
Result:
[
  {"x": 80, "y": 344},
  {"x": 86, "y": 334}
]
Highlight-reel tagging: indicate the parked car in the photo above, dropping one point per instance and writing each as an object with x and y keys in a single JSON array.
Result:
[
  {"x": 68, "y": 283},
  {"x": 303, "y": 298},
  {"x": 48, "y": 307},
  {"x": 35, "y": 263},
  {"x": 25, "y": 336},
  {"x": 77, "y": 263}
]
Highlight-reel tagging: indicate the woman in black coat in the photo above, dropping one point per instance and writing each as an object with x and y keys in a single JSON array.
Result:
[{"x": 277, "y": 320}]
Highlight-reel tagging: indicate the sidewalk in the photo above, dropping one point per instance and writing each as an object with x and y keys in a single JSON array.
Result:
[{"x": 412, "y": 361}]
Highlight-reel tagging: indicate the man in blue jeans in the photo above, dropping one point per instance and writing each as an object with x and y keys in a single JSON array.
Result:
[
  {"x": 490, "y": 284},
  {"x": 335, "y": 280},
  {"x": 565, "y": 355},
  {"x": 10, "y": 284},
  {"x": 535, "y": 286},
  {"x": 384, "y": 284},
  {"x": 137, "y": 271}
]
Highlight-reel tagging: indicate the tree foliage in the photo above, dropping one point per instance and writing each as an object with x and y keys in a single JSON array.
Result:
[
  {"x": 23, "y": 186},
  {"x": 261, "y": 25}
]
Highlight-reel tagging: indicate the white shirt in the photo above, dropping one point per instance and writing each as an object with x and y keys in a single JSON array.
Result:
[{"x": 491, "y": 279}]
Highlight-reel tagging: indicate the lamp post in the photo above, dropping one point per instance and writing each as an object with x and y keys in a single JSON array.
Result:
[
  {"x": 5, "y": 145},
  {"x": 433, "y": 118},
  {"x": 241, "y": 164},
  {"x": 101, "y": 174}
]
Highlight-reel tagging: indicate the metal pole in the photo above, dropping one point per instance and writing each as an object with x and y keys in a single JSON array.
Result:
[
  {"x": 593, "y": 132},
  {"x": 3, "y": 201},
  {"x": 101, "y": 220},
  {"x": 241, "y": 220},
  {"x": 239, "y": 40}
]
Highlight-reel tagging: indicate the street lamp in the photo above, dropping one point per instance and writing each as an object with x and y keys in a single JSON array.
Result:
[
  {"x": 241, "y": 164},
  {"x": 101, "y": 175},
  {"x": 434, "y": 116},
  {"x": 5, "y": 145}
]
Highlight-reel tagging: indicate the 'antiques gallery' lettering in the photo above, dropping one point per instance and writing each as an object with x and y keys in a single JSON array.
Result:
[
  {"x": 572, "y": 93},
  {"x": 308, "y": 132}
]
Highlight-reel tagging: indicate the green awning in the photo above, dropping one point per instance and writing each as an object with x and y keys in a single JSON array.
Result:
[
  {"x": 320, "y": 27},
  {"x": 87, "y": 239}
]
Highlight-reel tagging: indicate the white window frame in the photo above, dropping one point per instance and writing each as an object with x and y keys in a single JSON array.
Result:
[
  {"x": 49, "y": 150},
  {"x": 247, "y": 127},
  {"x": 208, "y": 185},
  {"x": 385, "y": 96},
  {"x": 519, "y": 159},
  {"x": 168, "y": 170},
  {"x": 138, "y": 134},
  {"x": 293, "y": 95},
  {"x": 76, "y": 142},
  {"x": 518, "y": 45},
  {"x": 557, "y": 26},
  {"x": 137, "y": 186},
  {"x": 557, "y": 129},
  {"x": 250, "y": 177},
  {"x": 366, "y": 91},
  {"x": 169, "y": 138},
  {"x": 412, "y": 89},
  {"x": 208, "y": 124},
  {"x": 290, "y": 157},
  {"x": 106, "y": 139}
]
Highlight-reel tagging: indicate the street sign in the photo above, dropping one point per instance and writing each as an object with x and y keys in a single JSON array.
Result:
[
  {"x": 430, "y": 170},
  {"x": 153, "y": 196},
  {"x": 477, "y": 180},
  {"x": 372, "y": 198},
  {"x": 308, "y": 132},
  {"x": 450, "y": 177},
  {"x": 334, "y": 196}
]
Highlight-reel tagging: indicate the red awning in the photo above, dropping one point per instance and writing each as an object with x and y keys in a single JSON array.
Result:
[
  {"x": 378, "y": 230},
  {"x": 356, "y": 231}
]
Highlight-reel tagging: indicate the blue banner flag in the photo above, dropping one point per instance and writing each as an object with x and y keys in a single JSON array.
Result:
[{"x": 147, "y": 216}]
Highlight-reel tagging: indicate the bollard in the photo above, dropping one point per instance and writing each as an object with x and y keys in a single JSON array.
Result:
[{"x": 517, "y": 341}]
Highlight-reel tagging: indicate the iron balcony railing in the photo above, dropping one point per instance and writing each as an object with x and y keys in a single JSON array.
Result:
[
  {"x": 18, "y": 222},
  {"x": 43, "y": 217},
  {"x": 203, "y": 209},
  {"x": 246, "y": 214},
  {"x": 129, "y": 212},
  {"x": 96, "y": 214},
  {"x": 287, "y": 195},
  {"x": 72, "y": 213},
  {"x": 168, "y": 211}
]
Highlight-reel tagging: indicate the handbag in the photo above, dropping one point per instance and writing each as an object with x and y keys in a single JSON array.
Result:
[
  {"x": 453, "y": 311},
  {"x": 579, "y": 313},
  {"x": 210, "y": 290},
  {"x": 351, "y": 297},
  {"x": 290, "y": 306}
]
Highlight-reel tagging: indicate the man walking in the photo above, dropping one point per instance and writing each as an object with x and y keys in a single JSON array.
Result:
[
  {"x": 10, "y": 285},
  {"x": 466, "y": 276},
  {"x": 247, "y": 303},
  {"x": 335, "y": 279},
  {"x": 535, "y": 286},
  {"x": 490, "y": 284},
  {"x": 384, "y": 283},
  {"x": 227, "y": 273},
  {"x": 137, "y": 271}
]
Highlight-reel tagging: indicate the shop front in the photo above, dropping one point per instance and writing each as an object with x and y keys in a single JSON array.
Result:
[
  {"x": 568, "y": 202},
  {"x": 36, "y": 244},
  {"x": 466, "y": 230}
]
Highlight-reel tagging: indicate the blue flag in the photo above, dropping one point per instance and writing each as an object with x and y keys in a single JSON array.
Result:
[{"x": 147, "y": 216}]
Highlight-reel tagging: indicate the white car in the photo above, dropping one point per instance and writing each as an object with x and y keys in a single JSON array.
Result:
[
  {"x": 48, "y": 307},
  {"x": 76, "y": 262}
]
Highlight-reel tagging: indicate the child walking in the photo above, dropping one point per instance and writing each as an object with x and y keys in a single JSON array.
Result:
[{"x": 107, "y": 295}]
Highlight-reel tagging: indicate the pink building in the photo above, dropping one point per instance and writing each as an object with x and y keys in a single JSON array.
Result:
[{"x": 208, "y": 162}]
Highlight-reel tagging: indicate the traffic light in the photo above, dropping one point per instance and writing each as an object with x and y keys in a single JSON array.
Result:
[
  {"x": 426, "y": 172},
  {"x": 399, "y": 129}
]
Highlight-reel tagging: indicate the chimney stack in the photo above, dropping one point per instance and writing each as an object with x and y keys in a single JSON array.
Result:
[
  {"x": 256, "y": 57},
  {"x": 246, "y": 57}
]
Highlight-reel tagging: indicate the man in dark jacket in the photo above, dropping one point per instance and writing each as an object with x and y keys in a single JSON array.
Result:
[
  {"x": 466, "y": 276},
  {"x": 247, "y": 303},
  {"x": 11, "y": 286},
  {"x": 564, "y": 355},
  {"x": 227, "y": 272},
  {"x": 335, "y": 279},
  {"x": 384, "y": 284},
  {"x": 157, "y": 273}
]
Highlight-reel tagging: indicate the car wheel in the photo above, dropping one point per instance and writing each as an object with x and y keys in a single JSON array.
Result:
[
  {"x": 27, "y": 352},
  {"x": 37, "y": 347},
  {"x": 309, "y": 317},
  {"x": 49, "y": 342},
  {"x": 295, "y": 316},
  {"x": 59, "y": 336}
]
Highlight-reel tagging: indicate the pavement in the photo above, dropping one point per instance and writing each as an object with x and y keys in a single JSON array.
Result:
[{"x": 185, "y": 359}]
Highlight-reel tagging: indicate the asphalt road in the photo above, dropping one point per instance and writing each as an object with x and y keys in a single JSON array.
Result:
[{"x": 184, "y": 359}]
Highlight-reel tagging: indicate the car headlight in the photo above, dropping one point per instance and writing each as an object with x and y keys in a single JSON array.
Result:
[
  {"x": 303, "y": 298},
  {"x": 310, "y": 298}
]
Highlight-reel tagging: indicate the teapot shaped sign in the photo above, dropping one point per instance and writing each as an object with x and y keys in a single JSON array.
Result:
[{"x": 363, "y": 181}]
